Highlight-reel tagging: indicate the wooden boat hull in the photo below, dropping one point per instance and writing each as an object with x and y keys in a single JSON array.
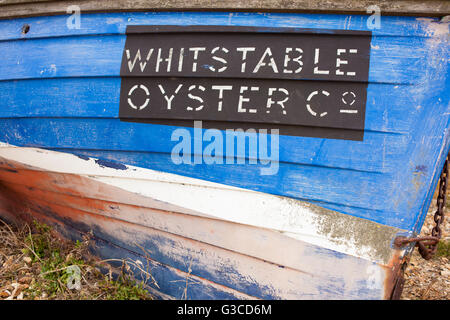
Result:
[{"x": 322, "y": 227}]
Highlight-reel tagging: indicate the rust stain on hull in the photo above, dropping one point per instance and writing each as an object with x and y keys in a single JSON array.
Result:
[{"x": 394, "y": 273}]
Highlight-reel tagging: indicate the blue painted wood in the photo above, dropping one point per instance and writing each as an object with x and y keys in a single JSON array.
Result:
[
  {"x": 111, "y": 134},
  {"x": 98, "y": 97},
  {"x": 72, "y": 105},
  {"x": 100, "y": 56}
]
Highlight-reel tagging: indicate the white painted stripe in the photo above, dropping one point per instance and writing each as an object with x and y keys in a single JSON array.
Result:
[{"x": 46, "y": 160}]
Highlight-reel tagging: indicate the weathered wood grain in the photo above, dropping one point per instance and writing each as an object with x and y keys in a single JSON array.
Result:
[
  {"x": 100, "y": 56},
  {"x": 21, "y": 8},
  {"x": 116, "y": 23}
]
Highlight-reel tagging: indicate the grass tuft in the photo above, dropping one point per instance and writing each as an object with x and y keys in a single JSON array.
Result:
[
  {"x": 443, "y": 249},
  {"x": 37, "y": 264}
]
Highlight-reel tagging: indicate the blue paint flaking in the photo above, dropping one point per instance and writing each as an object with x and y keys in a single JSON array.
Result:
[
  {"x": 420, "y": 168},
  {"x": 82, "y": 156},
  {"x": 110, "y": 164}
]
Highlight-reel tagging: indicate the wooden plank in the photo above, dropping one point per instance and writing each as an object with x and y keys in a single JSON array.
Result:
[
  {"x": 98, "y": 98},
  {"x": 101, "y": 56},
  {"x": 116, "y": 23},
  {"x": 17, "y": 8},
  {"x": 318, "y": 154}
]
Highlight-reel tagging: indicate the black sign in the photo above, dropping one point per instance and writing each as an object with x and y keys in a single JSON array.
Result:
[{"x": 303, "y": 82}]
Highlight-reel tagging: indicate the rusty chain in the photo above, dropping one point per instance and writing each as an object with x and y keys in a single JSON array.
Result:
[{"x": 427, "y": 245}]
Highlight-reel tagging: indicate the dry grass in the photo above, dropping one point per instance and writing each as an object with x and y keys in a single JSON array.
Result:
[{"x": 37, "y": 264}]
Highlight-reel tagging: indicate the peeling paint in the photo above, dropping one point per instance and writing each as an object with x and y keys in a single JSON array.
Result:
[
  {"x": 366, "y": 238},
  {"x": 110, "y": 164},
  {"x": 82, "y": 157}
]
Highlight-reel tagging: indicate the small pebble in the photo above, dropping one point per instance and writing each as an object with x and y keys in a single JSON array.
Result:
[{"x": 27, "y": 260}]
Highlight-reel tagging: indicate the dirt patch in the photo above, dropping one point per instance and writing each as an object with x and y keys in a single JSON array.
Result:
[{"x": 430, "y": 279}]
